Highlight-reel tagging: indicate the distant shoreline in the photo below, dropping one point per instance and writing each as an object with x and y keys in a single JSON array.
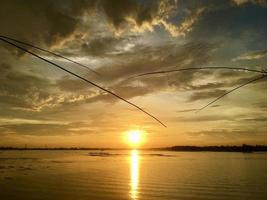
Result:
[{"x": 242, "y": 148}]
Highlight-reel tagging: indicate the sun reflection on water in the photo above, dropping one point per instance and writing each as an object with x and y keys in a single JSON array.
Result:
[{"x": 134, "y": 174}]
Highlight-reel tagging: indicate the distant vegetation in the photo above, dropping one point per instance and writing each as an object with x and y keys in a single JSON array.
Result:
[{"x": 243, "y": 148}]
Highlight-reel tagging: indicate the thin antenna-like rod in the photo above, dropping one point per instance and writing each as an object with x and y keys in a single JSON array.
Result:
[
  {"x": 47, "y": 51},
  {"x": 223, "y": 95},
  {"x": 84, "y": 79},
  {"x": 199, "y": 68}
]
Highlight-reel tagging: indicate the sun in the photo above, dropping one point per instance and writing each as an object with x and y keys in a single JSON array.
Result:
[{"x": 134, "y": 137}]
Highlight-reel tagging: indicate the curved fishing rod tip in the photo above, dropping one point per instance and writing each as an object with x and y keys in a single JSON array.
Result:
[
  {"x": 50, "y": 52},
  {"x": 81, "y": 78}
]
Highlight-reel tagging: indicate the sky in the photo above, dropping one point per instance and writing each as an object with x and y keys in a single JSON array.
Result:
[{"x": 42, "y": 106}]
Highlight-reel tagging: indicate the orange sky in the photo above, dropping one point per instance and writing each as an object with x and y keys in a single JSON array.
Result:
[{"x": 44, "y": 106}]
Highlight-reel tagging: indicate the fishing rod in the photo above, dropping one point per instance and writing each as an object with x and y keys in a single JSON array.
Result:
[
  {"x": 262, "y": 72},
  {"x": 50, "y": 52},
  {"x": 82, "y": 78},
  {"x": 202, "y": 68},
  {"x": 230, "y": 91}
]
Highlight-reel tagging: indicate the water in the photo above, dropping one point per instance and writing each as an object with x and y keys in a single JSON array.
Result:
[{"x": 133, "y": 175}]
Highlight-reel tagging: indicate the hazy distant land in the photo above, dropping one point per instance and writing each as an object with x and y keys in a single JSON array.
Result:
[{"x": 242, "y": 148}]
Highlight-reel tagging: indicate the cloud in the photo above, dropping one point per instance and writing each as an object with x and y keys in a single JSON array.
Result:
[
  {"x": 21, "y": 89},
  {"x": 258, "y": 2},
  {"x": 240, "y": 2},
  {"x": 100, "y": 122},
  {"x": 31, "y": 126},
  {"x": 37, "y": 129},
  {"x": 130, "y": 15},
  {"x": 217, "y": 133},
  {"x": 262, "y": 106},
  {"x": 206, "y": 94},
  {"x": 239, "y": 134},
  {"x": 27, "y": 91},
  {"x": 70, "y": 84},
  {"x": 66, "y": 91},
  {"x": 208, "y": 118},
  {"x": 147, "y": 58},
  {"x": 101, "y": 46},
  {"x": 186, "y": 110},
  {"x": 193, "y": 109},
  {"x": 124, "y": 13},
  {"x": 257, "y": 119},
  {"x": 67, "y": 24},
  {"x": 151, "y": 58},
  {"x": 251, "y": 56},
  {"x": 186, "y": 26},
  {"x": 216, "y": 89},
  {"x": 12, "y": 121},
  {"x": 56, "y": 24},
  {"x": 141, "y": 58},
  {"x": 149, "y": 36},
  {"x": 43, "y": 127},
  {"x": 47, "y": 22}
]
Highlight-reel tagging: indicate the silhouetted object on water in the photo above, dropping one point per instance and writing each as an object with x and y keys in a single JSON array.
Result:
[{"x": 81, "y": 78}]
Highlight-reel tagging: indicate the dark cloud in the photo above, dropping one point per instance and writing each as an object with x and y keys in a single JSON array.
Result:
[
  {"x": 128, "y": 13},
  {"x": 152, "y": 58},
  {"x": 206, "y": 94},
  {"x": 69, "y": 84},
  {"x": 55, "y": 22},
  {"x": 101, "y": 46},
  {"x": 30, "y": 92},
  {"x": 146, "y": 39},
  {"x": 47, "y": 22},
  {"x": 143, "y": 58},
  {"x": 186, "y": 110},
  {"x": 118, "y": 10},
  {"x": 21, "y": 89},
  {"x": 140, "y": 59}
]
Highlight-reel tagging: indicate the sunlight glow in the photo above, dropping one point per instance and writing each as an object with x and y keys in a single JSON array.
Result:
[
  {"x": 134, "y": 174},
  {"x": 134, "y": 137}
]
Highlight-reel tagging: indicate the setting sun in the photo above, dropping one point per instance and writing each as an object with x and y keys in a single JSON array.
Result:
[
  {"x": 134, "y": 137},
  {"x": 133, "y": 99}
]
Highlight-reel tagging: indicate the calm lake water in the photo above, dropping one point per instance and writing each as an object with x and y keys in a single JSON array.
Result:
[{"x": 133, "y": 175}]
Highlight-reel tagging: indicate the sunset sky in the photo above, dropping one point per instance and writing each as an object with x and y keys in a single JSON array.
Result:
[{"x": 41, "y": 105}]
